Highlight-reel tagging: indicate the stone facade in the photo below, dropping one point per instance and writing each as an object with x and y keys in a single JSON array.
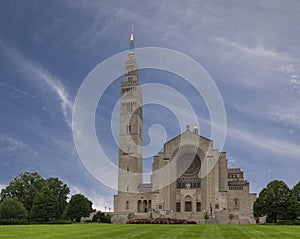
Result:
[{"x": 189, "y": 177}]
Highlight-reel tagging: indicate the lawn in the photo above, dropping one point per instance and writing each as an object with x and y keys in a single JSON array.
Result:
[{"x": 93, "y": 231}]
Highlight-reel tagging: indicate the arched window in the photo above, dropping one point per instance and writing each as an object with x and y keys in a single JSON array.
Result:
[
  {"x": 127, "y": 204},
  {"x": 145, "y": 205},
  {"x": 236, "y": 203},
  {"x": 188, "y": 168}
]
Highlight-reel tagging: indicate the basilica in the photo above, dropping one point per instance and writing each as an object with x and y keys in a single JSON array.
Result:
[{"x": 189, "y": 178}]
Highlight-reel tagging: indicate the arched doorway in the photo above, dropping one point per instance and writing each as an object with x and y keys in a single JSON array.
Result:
[
  {"x": 139, "y": 206},
  {"x": 188, "y": 204}
]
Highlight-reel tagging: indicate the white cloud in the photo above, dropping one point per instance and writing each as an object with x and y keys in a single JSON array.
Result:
[
  {"x": 264, "y": 68},
  {"x": 258, "y": 51},
  {"x": 40, "y": 74},
  {"x": 2, "y": 186},
  {"x": 295, "y": 83},
  {"x": 259, "y": 140},
  {"x": 274, "y": 77},
  {"x": 271, "y": 144},
  {"x": 285, "y": 111},
  {"x": 15, "y": 89},
  {"x": 99, "y": 201},
  {"x": 10, "y": 144},
  {"x": 231, "y": 162},
  {"x": 288, "y": 114}
]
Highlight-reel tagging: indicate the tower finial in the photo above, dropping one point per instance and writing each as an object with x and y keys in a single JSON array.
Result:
[{"x": 131, "y": 38}]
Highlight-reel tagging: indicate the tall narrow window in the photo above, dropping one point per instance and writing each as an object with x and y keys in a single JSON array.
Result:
[
  {"x": 178, "y": 207},
  {"x": 198, "y": 206},
  {"x": 127, "y": 204},
  {"x": 129, "y": 129}
]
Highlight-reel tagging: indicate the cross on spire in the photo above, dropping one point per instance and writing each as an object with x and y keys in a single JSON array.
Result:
[{"x": 131, "y": 38}]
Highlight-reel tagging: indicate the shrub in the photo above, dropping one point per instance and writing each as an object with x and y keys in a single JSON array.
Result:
[
  {"x": 101, "y": 217},
  {"x": 288, "y": 222},
  {"x": 61, "y": 222},
  {"x": 160, "y": 221},
  {"x": 297, "y": 222},
  {"x": 12, "y": 222}
]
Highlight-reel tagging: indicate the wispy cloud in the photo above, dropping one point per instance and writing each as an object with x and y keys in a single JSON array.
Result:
[
  {"x": 41, "y": 75},
  {"x": 258, "y": 51},
  {"x": 270, "y": 144},
  {"x": 15, "y": 89},
  {"x": 10, "y": 144},
  {"x": 288, "y": 114},
  {"x": 269, "y": 65}
]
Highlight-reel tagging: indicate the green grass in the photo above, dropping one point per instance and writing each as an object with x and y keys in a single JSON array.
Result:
[{"x": 93, "y": 231}]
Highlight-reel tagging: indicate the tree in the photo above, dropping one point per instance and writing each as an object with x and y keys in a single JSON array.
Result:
[
  {"x": 11, "y": 208},
  {"x": 24, "y": 187},
  {"x": 44, "y": 206},
  {"x": 273, "y": 201},
  {"x": 206, "y": 216},
  {"x": 296, "y": 195},
  {"x": 102, "y": 217},
  {"x": 79, "y": 206},
  {"x": 60, "y": 191},
  {"x": 230, "y": 216}
]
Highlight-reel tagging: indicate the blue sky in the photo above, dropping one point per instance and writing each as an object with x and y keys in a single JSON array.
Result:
[{"x": 250, "y": 48}]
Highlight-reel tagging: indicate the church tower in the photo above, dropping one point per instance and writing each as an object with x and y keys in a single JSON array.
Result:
[{"x": 130, "y": 134}]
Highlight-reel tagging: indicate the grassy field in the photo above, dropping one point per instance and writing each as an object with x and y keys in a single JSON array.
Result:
[{"x": 93, "y": 231}]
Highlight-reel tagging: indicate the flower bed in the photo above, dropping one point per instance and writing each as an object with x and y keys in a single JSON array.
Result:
[{"x": 160, "y": 221}]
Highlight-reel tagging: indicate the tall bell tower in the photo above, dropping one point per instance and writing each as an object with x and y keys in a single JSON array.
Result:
[{"x": 130, "y": 135}]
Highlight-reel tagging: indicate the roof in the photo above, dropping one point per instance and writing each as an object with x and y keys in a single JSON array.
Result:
[
  {"x": 238, "y": 183},
  {"x": 145, "y": 185},
  {"x": 187, "y": 132},
  {"x": 234, "y": 170}
]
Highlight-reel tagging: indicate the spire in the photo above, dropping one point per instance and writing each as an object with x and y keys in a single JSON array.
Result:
[{"x": 131, "y": 38}]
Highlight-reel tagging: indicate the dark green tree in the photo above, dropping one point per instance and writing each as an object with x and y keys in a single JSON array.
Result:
[
  {"x": 260, "y": 206},
  {"x": 206, "y": 216},
  {"x": 11, "y": 208},
  {"x": 60, "y": 191},
  {"x": 101, "y": 217},
  {"x": 231, "y": 216},
  {"x": 24, "y": 187},
  {"x": 273, "y": 201},
  {"x": 44, "y": 206},
  {"x": 79, "y": 206},
  {"x": 296, "y": 194}
]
